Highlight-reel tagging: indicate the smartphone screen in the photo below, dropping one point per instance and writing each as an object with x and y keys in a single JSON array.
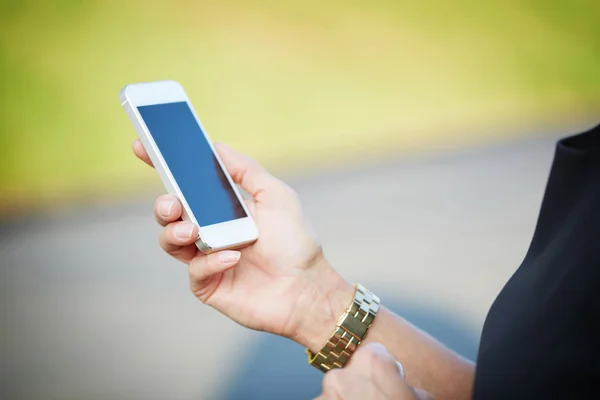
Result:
[{"x": 192, "y": 163}]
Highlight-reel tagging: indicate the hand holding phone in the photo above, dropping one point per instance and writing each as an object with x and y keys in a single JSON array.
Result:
[
  {"x": 282, "y": 283},
  {"x": 187, "y": 164}
]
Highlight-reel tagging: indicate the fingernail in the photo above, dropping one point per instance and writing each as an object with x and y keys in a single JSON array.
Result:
[
  {"x": 165, "y": 208},
  {"x": 184, "y": 231},
  {"x": 228, "y": 257},
  {"x": 401, "y": 369}
]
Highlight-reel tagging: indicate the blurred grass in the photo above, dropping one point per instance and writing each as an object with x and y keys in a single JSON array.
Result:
[{"x": 284, "y": 81}]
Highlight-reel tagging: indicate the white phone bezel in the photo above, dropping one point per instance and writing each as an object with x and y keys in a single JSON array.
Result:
[{"x": 229, "y": 234}]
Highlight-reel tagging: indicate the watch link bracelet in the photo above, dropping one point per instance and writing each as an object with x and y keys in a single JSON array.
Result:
[{"x": 351, "y": 329}]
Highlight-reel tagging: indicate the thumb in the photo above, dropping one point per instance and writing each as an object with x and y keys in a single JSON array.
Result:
[
  {"x": 246, "y": 172},
  {"x": 205, "y": 272}
]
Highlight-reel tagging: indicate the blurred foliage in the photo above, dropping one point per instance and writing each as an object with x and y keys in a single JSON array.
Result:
[{"x": 281, "y": 80}]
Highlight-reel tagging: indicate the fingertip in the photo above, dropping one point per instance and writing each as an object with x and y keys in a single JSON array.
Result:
[
  {"x": 223, "y": 260},
  {"x": 222, "y": 145},
  {"x": 167, "y": 208},
  {"x": 183, "y": 232},
  {"x": 371, "y": 354},
  {"x": 224, "y": 150},
  {"x": 376, "y": 348},
  {"x": 228, "y": 257},
  {"x": 140, "y": 152},
  {"x": 203, "y": 267},
  {"x": 138, "y": 148},
  {"x": 380, "y": 360}
]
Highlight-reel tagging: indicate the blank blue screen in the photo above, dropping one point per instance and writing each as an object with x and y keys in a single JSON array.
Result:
[{"x": 192, "y": 163}]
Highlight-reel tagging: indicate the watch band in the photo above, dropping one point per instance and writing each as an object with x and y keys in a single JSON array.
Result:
[{"x": 350, "y": 330}]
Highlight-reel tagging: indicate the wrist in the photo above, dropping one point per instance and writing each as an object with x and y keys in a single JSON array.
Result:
[{"x": 320, "y": 306}]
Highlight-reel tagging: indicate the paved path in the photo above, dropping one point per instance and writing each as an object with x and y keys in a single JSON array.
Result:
[{"x": 91, "y": 309}]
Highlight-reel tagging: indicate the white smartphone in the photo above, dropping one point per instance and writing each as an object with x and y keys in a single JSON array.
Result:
[{"x": 188, "y": 165}]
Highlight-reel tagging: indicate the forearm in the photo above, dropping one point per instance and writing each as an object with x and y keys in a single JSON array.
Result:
[{"x": 427, "y": 363}]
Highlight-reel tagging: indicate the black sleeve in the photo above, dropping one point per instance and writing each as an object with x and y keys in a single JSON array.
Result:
[{"x": 541, "y": 338}]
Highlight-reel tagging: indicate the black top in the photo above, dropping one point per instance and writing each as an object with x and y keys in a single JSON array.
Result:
[{"x": 541, "y": 338}]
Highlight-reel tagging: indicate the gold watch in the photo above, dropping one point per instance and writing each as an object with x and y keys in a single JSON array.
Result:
[{"x": 350, "y": 330}]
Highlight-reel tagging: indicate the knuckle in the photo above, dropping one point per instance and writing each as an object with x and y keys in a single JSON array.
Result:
[
  {"x": 196, "y": 265},
  {"x": 170, "y": 232},
  {"x": 198, "y": 292},
  {"x": 203, "y": 267},
  {"x": 194, "y": 271},
  {"x": 167, "y": 236}
]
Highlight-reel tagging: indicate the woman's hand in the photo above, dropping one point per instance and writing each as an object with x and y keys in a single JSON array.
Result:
[
  {"x": 372, "y": 373},
  {"x": 282, "y": 283}
]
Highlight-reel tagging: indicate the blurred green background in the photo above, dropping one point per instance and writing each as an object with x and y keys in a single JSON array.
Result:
[{"x": 294, "y": 84}]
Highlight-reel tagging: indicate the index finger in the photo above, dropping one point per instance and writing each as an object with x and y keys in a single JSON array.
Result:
[{"x": 140, "y": 152}]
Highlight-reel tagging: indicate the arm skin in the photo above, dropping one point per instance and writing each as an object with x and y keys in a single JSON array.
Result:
[
  {"x": 427, "y": 363},
  {"x": 287, "y": 270}
]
